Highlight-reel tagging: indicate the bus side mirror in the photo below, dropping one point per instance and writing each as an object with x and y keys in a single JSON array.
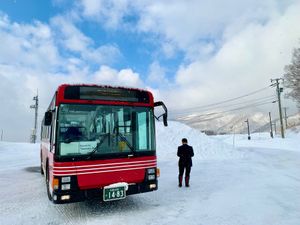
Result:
[
  {"x": 164, "y": 115},
  {"x": 48, "y": 118},
  {"x": 165, "y": 119}
]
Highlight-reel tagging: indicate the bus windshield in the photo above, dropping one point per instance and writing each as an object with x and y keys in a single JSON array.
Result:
[{"x": 104, "y": 129}]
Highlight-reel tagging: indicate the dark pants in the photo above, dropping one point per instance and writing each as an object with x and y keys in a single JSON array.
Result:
[{"x": 187, "y": 170}]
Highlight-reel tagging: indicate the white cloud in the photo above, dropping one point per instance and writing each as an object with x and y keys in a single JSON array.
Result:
[
  {"x": 75, "y": 41},
  {"x": 186, "y": 24},
  {"x": 157, "y": 75},
  {"x": 30, "y": 61},
  {"x": 109, "y": 12},
  {"x": 72, "y": 38},
  {"x": 124, "y": 77},
  {"x": 198, "y": 28},
  {"x": 27, "y": 44},
  {"x": 92, "y": 7},
  {"x": 245, "y": 62}
]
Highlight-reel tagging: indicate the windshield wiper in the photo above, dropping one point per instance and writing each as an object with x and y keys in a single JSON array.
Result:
[
  {"x": 96, "y": 147},
  {"x": 123, "y": 138}
]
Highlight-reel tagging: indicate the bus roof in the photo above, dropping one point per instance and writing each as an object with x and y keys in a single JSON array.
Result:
[{"x": 103, "y": 94}]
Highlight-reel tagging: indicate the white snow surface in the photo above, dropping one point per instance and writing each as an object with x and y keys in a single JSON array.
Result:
[
  {"x": 120, "y": 184},
  {"x": 234, "y": 181}
]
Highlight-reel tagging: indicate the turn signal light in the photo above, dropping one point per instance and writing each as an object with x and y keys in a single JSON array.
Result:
[
  {"x": 157, "y": 172},
  {"x": 55, "y": 183}
]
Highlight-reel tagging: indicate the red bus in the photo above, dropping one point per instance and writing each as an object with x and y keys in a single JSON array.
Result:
[{"x": 99, "y": 142}]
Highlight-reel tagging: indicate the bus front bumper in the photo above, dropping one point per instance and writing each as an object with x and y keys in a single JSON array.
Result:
[{"x": 61, "y": 197}]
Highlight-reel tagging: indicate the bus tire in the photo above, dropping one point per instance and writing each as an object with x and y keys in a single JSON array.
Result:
[{"x": 49, "y": 193}]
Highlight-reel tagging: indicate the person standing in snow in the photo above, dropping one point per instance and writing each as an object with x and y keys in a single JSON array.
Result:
[{"x": 185, "y": 154}]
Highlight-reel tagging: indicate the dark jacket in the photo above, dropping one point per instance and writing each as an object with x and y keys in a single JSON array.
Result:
[{"x": 185, "y": 154}]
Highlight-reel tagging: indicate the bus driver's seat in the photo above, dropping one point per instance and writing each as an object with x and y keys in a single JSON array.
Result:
[{"x": 73, "y": 133}]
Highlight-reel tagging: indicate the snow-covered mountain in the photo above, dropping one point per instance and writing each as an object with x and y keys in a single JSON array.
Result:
[{"x": 236, "y": 123}]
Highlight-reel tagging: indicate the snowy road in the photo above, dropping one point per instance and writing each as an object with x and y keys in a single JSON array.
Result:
[{"x": 262, "y": 187}]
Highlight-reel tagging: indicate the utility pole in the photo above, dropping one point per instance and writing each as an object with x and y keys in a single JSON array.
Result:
[
  {"x": 275, "y": 82},
  {"x": 1, "y": 135},
  {"x": 35, "y": 107},
  {"x": 271, "y": 127},
  {"x": 247, "y": 121},
  {"x": 285, "y": 117}
]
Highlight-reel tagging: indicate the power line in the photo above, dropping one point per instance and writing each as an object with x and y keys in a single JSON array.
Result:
[
  {"x": 216, "y": 114},
  {"x": 269, "y": 99},
  {"x": 228, "y": 100}
]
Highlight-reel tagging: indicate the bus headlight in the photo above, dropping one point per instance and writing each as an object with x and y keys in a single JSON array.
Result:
[
  {"x": 65, "y": 179},
  {"x": 151, "y": 177},
  {"x": 65, "y": 187},
  {"x": 151, "y": 171}
]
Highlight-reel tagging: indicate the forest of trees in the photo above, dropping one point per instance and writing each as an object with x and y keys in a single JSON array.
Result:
[{"x": 292, "y": 77}]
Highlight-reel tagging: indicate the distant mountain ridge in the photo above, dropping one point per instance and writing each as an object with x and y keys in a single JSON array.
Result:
[{"x": 236, "y": 123}]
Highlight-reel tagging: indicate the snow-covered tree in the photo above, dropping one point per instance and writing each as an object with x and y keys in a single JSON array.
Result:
[{"x": 292, "y": 76}]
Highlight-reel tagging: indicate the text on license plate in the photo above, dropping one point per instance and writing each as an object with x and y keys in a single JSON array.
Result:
[{"x": 113, "y": 193}]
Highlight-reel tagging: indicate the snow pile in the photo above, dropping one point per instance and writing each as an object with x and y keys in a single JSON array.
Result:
[
  {"x": 10, "y": 152},
  {"x": 205, "y": 147},
  {"x": 291, "y": 142},
  {"x": 294, "y": 130}
]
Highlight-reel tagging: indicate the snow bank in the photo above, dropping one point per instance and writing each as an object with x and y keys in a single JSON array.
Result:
[
  {"x": 11, "y": 153},
  {"x": 291, "y": 142},
  {"x": 205, "y": 147}
]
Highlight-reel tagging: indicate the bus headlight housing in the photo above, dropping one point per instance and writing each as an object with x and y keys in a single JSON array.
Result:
[
  {"x": 66, "y": 179},
  {"x": 151, "y": 177},
  {"x": 65, "y": 187},
  {"x": 151, "y": 170},
  {"x": 151, "y": 173}
]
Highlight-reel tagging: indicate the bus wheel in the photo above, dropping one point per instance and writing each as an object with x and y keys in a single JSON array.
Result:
[{"x": 49, "y": 193}]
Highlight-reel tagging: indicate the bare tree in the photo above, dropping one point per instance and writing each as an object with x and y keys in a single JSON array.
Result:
[{"x": 292, "y": 77}]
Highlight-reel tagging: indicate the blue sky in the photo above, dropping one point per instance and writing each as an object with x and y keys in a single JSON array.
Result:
[
  {"x": 137, "y": 49},
  {"x": 188, "y": 53},
  {"x": 27, "y": 11}
]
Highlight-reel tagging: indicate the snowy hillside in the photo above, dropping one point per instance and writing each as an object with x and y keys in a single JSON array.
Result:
[
  {"x": 227, "y": 123},
  {"x": 255, "y": 182},
  {"x": 235, "y": 123}
]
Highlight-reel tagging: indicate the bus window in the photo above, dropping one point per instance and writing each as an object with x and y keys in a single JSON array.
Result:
[{"x": 110, "y": 129}]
